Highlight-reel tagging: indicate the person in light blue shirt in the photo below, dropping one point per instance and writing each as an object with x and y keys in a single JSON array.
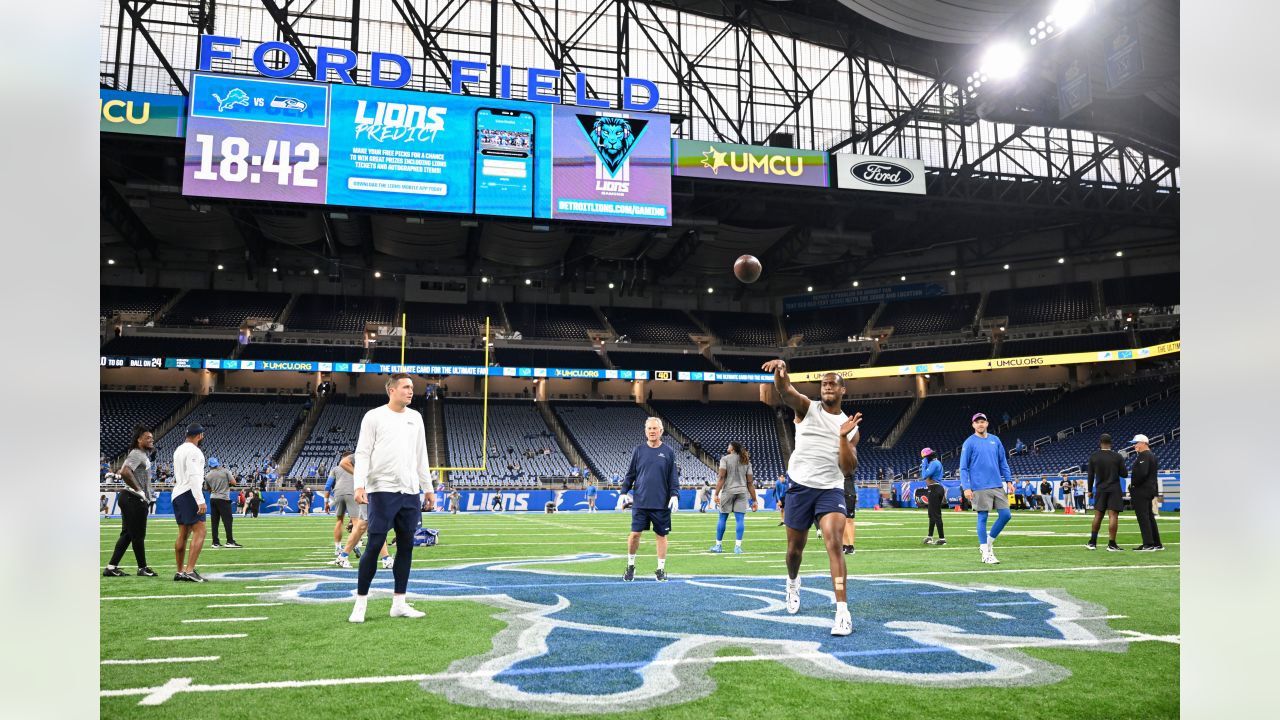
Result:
[
  {"x": 935, "y": 495},
  {"x": 591, "y": 495},
  {"x": 984, "y": 469}
]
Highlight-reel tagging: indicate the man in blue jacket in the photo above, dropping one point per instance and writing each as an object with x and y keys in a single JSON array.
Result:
[
  {"x": 984, "y": 469},
  {"x": 936, "y": 494},
  {"x": 654, "y": 477}
]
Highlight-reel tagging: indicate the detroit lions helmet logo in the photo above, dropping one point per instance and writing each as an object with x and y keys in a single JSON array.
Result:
[
  {"x": 577, "y": 643},
  {"x": 612, "y": 137}
]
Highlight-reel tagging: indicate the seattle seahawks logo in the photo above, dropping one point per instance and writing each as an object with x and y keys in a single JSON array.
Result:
[
  {"x": 613, "y": 138},
  {"x": 578, "y": 643}
]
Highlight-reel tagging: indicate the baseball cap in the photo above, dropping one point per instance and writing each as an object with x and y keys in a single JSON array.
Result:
[
  {"x": 926, "y": 452},
  {"x": 976, "y": 416},
  {"x": 1140, "y": 438},
  {"x": 195, "y": 429},
  {"x": 213, "y": 462}
]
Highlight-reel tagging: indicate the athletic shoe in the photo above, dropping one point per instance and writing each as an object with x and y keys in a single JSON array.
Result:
[
  {"x": 940, "y": 541},
  {"x": 1112, "y": 547},
  {"x": 793, "y": 598},
  {"x": 343, "y": 562},
  {"x": 406, "y": 610},
  {"x": 356, "y": 551},
  {"x": 195, "y": 576},
  {"x": 660, "y": 575},
  {"x": 848, "y": 549},
  {"x": 630, "y": 574},
  {"x": 928, "y": 541},
  {"x": 780, "y": 524},
  {"x": 989, "y": 558},
  {"x": 1158, "y": 547},
  {"x": 146, "y": 572},
  {"x": 843, "y": 624},
  {"x": 1143, "y": 548},
  {"x": 737, "y": 549},
  {"x": 388, "y": 562},
  {"x": 1091, "y": 546},
  {"x": 357, "y": 616},
  {"x": 716, "y": 548},
  {"x": 233, "y": 545},
  {"x": 217, "y": 544},
  {"x": 112, "y": 572},
  {"x": 181, "y": 577}
]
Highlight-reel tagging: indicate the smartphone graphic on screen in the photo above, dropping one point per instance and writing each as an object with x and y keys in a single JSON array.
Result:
[{"x": 504, "y": 171}]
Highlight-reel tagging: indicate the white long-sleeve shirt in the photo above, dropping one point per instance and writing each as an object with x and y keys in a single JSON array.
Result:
[
  {"x": 391, "y": 454},
  {"x": 188, "y": 472}
]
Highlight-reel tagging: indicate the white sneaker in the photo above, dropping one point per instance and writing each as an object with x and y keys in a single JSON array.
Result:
[
  {"x": 843, "y": 624},
  {"x": 388, "y": 562},
  {"x": 406, "y": 610},
  {"x": 989, "y": 558},
  {"x": 357, "y": 615},
  {"x": 793, "y": 598},
  {"x": 343, "y": 562}
]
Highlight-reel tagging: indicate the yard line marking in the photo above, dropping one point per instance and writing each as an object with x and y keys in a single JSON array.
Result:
[
  {"x": 997, "y": 615},
  {"x": 1002, "y": 604},
  {"x": 198, "y": 637},
  {"x": 1135, "y": 635},
  {"x": 1021, "y": 570},
  {"x": 220, "y": 620},
  {"x": 227, "y": 605},
  {"x": 265, "y": 587},
  {"x": 178, "y": 597},
  {"x": 163, "y": 661},
  {"x": 183, "y": 684},
  {"x": 945, "y": 592}
]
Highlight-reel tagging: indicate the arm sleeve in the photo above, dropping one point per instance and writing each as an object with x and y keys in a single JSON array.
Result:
[
  {"x": 328, "y": 486},
  {"x": 364, "y": 452},
  {"x": 629, "y": 478},
  {"x": 965, "y": 457}
]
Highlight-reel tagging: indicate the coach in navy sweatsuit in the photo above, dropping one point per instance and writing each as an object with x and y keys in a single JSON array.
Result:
[{"x": 655, "y": 480}]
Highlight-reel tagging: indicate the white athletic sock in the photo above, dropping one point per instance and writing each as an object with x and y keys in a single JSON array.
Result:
[
  {"x": 985, "y": 547},
  {"x": 362, "y": 602},
  {"x": 842, "y": 607},
  {"x": 737, "y": 543},
  {"x": 337, "y": 546},
  {"x": 793, "y": 582},
  {"x": 662, "y": 563},
  {"x": 397, "y": 601},
  {"x": 631, "y": 559}
]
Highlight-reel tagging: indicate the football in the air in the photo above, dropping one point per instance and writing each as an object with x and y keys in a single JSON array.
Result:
[{"x": 747, "y": 268}]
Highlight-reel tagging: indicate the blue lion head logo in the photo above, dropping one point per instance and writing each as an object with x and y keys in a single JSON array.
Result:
[
  {"x": 577, "y": 643},
  {"x": 234, "y": 97},
  {"x": 612, "y": 137}
]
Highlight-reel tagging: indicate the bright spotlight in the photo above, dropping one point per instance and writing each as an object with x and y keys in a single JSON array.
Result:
[
  {"x": 953, "y": 273},
  {"x": 219, "y": 266},
  {"x": 1003, "y": 60},
  {"x": 711, "y": 290},
  {"x": 1061, "y": 260},
  {"x": 810, "y": 288},
  {"x": 111, "y": 261},
  {"x": 484, "y": 279},
  {"x": 315, "y": 271},
  {"x": 527, "y": 281},
  {"x": 855, "y": 283},
  {"x": 903, "y": 278},
  {"x": 610, "y": 286},
  {"x": 1119, "y": 253},
  {"x": 1068, "y": 13},
  {"x": 377, "y": 274},
  {"x": 1006, "y": 266}
]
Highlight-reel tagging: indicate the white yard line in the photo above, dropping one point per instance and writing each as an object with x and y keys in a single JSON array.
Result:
[
  {"x": 199, "y": 637},
  {"x": 242, "y": 605},
  {"x": 163, "y": 661},
  {"x": 222, "y": 620}
]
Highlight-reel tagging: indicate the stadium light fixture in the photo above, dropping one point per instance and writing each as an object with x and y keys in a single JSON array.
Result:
[
  {"x": 220, "y": 267},
  {"x": 610, "y": 286},
  {"x": 111, "y": 261},
  {"x": 1003, "y": 60},
  {"x": 855, "y": 283},
  {"x": 377, "y": 273},
  {"x": 1119, "y": 253},
  {"x": 527, "y": 281},
  {"x": 953, "y": 273},
  {"x": 903, "y": 278},
  {"x": 275, "y": 269},
  {"x": 1006, "y": 266},
  {"x": 711, "y": 290},
  {"x": 1068, "y": 13},
  {"x": 1061, "y": 260},
  {"x": 810, "y": 288},
  {"x": 315, "y": 271},
  {"x": 1001, "y": 328}
]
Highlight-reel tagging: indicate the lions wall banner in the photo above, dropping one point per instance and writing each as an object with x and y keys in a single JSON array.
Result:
[
  {"x": 752, "y": 163},
  {"x": 879, "y": 174}
]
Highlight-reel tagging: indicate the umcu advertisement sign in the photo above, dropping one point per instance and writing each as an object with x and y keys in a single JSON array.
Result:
[
  {"x": 612, "y": 166},
  {"x": 752, "y": 163},
  {"x": 879, "y": 174},
  {"x": 136, "y": 113}
]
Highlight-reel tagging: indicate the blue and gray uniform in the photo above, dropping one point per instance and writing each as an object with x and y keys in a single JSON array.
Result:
[
  {"x": 984, "y": 469},
  {"x": 341, "y": 487}
]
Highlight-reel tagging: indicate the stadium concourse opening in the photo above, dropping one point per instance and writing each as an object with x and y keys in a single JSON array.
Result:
[{"x": 503, "y": 315}]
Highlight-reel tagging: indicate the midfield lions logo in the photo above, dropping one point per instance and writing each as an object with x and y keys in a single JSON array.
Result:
[
  {"x": 613, "y": 138},
  {"x": 577, "y": 643}
]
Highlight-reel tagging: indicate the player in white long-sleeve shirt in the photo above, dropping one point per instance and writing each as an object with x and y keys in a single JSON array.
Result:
[
  {"x": 391, "y": 471},
  {"x": 188, "y": 503}
]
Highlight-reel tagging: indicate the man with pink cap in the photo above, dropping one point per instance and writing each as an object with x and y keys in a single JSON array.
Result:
[{"x": 931, "y": 472}]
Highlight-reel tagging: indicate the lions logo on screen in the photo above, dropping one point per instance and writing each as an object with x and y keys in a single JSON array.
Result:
[
  {"x": 234, "y": 97},
  {"x": 613, "y": 139},
  {"x": 578, "y": 643}
]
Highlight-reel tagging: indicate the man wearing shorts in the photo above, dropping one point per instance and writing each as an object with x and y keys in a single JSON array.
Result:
[
  {"x": 454, "y": 500},
  {"x": 359, "y": 519},
  {"x": 591, "y": 495},
  {"x": 732, "y": 488},
  {"x": 824, "y": 454},
  {"x": 984, "y": 469},
  {"x": 1106, "y": 467},
  {"x": 340, "y": 489},
  {"x": 653, "y": 477},
  {"x": 188, "y": 503}
]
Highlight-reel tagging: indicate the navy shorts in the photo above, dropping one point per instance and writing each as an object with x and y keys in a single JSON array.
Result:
[
  {"x": 658, "y": 520},
  {"x": 808, "y": 504},
  {"x": 388, "y": 510},
  {"x": 186, "y": 510}
]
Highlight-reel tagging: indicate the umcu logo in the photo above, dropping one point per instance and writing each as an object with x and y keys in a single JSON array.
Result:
[
  {"x": 751, "y": 163},
  {"x": 882, "y": 172},
  {"x": 584, "y": 644},
  {"x": 613, "y": 138},
  {"x": 399, "y": 121}
]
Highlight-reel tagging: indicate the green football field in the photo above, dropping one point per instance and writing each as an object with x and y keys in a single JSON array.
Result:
[{"x": 1054, "y": 631}]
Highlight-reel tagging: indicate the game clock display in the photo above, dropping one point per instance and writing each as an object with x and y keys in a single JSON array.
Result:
[{"x": 253, "y": 139}]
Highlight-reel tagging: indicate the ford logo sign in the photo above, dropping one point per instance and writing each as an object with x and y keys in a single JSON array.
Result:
[{"x": 882, "y": 172}]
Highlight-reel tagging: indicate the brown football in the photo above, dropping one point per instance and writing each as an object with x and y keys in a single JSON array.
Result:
[{"x": 747, "y": 268}]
